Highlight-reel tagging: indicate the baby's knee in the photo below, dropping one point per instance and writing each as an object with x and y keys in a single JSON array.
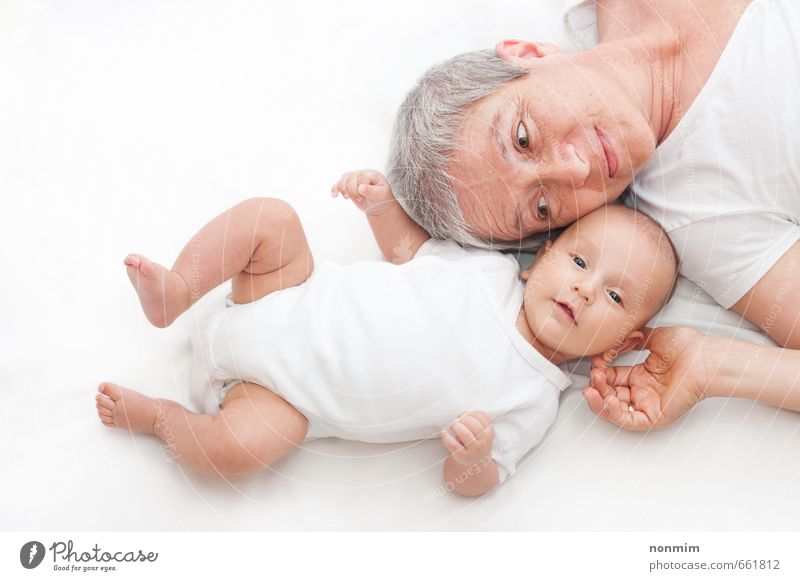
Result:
[{"x": 271, "y": 213}]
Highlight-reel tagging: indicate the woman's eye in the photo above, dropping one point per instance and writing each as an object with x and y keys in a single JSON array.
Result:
[
  {"x": 615, "y": 297},
  {"x": 579, "y": 261},
  {"x": 542, "y": 211},
  {"x": 522, "y": 136}
]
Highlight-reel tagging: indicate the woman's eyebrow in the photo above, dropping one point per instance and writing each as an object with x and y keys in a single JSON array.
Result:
[{"x": 497, "y": 134}]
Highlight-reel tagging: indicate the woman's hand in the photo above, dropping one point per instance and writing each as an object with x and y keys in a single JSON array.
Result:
[
  {"x": 368, "y": 189},
  {"x": 672, "y": 379}
]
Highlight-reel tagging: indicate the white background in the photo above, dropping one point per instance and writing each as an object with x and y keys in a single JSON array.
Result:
[{"x": 126, "y": 125}]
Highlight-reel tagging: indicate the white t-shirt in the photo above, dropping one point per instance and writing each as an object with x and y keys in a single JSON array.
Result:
[
  {"x": 725, "y": 184},
  {"x": 378, "y": 352}
]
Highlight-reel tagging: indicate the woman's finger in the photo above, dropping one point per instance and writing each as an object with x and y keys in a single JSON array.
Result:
[
  {"x": 594, "y": 399},
  {"x": 620, "y": 375},
  {"x": 624, "y": 415},
  {"x": 598, "y": 381}
]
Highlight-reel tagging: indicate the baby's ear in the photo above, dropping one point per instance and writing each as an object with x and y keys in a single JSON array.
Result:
[{"x": 629, "y": 343}]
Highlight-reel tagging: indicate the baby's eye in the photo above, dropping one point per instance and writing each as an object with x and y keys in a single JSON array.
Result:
[
  {"x": 579, "y": 261},
  {"x": 615, "y": 297},
  {"x": 522, "y": 136}
]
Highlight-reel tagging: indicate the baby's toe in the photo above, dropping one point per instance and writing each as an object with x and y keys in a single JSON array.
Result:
[
  {"x": 105, "y": 403},
  {"x": 133, "y": 260},
  {"x": 114, "y": 392}
]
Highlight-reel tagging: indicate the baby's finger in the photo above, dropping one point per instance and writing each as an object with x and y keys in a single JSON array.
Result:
[
  {"x": 450, "y": 442},
  {"x": 484, "y": 418},
  {"x": 369, "y": 190},
  {"x": 367, "y": 178},
  {"x": 463, "y": 432},
  {"x": 474, "y": 425},
  {"x": 352, "y": 184}
]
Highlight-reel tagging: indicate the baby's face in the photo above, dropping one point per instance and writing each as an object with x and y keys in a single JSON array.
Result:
[{"x": 601, "y": 280}]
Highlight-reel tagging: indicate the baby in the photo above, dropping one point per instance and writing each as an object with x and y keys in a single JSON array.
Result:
[{"x": 383, "y": 352}]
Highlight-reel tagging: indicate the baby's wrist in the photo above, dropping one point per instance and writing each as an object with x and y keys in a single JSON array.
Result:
[
  {"x": 477, "y": 459},
  {"x": 382, "y": 208}
]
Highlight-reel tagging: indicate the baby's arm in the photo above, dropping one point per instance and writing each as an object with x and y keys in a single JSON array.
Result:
[
  {"x": 398, "y": 236},
  {"x": 470, "y": 469}
]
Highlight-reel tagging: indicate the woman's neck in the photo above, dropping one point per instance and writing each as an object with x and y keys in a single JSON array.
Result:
[
  {"x": 649, "y": 69},
  {"x": 671, "y": 47}
]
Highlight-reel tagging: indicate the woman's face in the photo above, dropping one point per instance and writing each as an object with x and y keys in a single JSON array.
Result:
[{"x": 550, "y": 146}]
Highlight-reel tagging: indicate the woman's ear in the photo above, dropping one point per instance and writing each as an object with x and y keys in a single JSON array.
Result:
[
  {"x": 521, "y": 52},
  {"x": 629, "y": 343}
]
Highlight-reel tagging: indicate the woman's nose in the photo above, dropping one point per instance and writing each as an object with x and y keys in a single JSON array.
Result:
[
  {"x": 565, "y": 167},
  {"x": 572, "y": 166}
]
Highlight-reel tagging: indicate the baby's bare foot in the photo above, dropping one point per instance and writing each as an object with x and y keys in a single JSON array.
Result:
[
  {"x": 162, "y": 293},
  {"x": 119, "y": 407}
]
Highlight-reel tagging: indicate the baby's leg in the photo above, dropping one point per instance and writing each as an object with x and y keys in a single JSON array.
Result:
[
  {"x": 259, "y": 243},
  {"x": 254, "y": 429}
]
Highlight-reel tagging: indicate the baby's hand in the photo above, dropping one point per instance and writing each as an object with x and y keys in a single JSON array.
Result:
[
  {"x": 476, "y": 435},
  {"x": 368, "y": 189}
]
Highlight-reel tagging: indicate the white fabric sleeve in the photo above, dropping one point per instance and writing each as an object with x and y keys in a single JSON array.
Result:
[
  {"x": 449, "y": 250},
  {"x": 727, "y": 255},
  {"x": 498, "y": 269},
  {"x": 520, "y": 430},
  {"x": 580, "y": 22}
]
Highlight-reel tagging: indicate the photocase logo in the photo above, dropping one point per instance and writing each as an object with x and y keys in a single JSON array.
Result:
[{"x": 31, "y": 554}]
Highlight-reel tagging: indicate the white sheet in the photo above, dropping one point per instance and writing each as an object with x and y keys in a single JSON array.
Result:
[{"x": 125, "y": 126}]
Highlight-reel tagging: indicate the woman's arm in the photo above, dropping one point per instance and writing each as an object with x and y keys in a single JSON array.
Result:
[
  {"x": 773, "y": 304},
  {"x": 770, "y": 375},
  {"x": 683, "y": 368}
]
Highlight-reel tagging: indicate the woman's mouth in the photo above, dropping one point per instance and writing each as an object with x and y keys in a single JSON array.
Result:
[
  {"x": 610, "y": 153},
  {"x": 566, "y": 310}
]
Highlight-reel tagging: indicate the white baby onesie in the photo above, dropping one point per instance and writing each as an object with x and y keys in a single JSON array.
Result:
[{"x": 381, "y": 353}]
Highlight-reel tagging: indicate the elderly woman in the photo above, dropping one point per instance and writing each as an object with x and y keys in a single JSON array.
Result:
[{"x": 692, "y": 107}]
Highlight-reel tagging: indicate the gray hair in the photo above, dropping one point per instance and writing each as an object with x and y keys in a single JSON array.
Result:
[{"x": 424, "y": 137}]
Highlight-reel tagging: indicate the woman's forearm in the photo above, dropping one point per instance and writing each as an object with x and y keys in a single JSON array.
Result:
[{"x": 768, "y": 374}]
